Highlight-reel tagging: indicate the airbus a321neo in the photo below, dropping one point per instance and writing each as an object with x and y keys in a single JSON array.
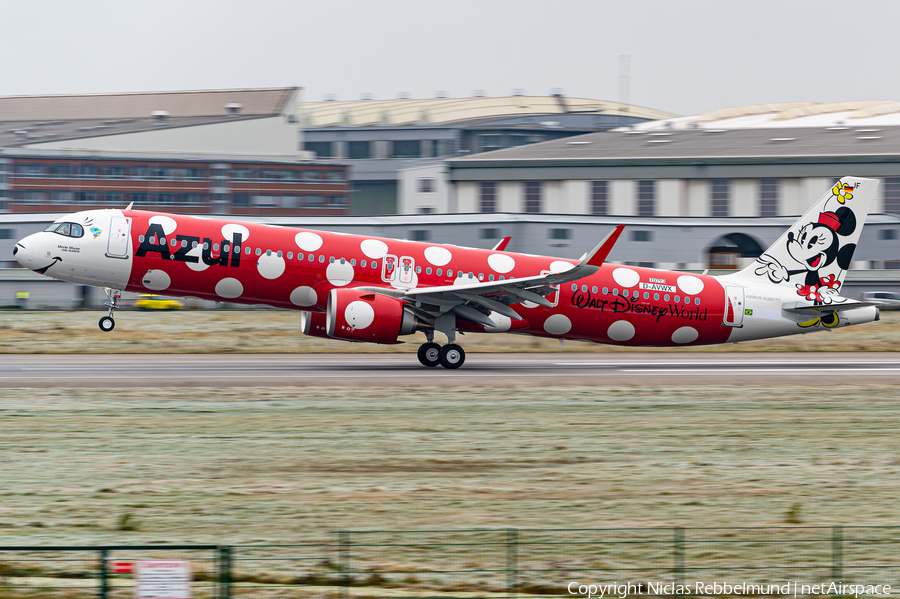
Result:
[{"x": 365, "y": 289}]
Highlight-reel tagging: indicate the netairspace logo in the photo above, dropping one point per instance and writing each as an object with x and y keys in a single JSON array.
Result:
[{"x": 795, "y": 589}]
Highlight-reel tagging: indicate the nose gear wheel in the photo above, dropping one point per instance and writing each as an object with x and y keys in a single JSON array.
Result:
[{"x": 107, "y": 323}]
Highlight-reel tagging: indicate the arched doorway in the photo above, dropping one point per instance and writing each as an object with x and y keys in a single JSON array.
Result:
[{"x": 727, "y": 251}]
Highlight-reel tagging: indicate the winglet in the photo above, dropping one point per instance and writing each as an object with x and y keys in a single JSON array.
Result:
[
  {"x": 600, "y": 253},
  {"x": 501, "y": 245}
]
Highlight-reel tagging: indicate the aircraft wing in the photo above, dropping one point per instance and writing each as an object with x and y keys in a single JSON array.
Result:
[{"x": 474, "y": 301}]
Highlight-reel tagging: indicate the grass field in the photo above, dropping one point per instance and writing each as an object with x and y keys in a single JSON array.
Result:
[
  {"x": 279, "y": 465},
  {"x": 264, "y": 331}
]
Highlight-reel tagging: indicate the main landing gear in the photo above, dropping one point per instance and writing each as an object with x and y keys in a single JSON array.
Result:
[
  {"x": 107, "y": 323},
  {"x": 449, "y": 356}
]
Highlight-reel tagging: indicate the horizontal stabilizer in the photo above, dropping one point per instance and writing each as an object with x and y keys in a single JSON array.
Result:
[{"x": 839, "y": 304}]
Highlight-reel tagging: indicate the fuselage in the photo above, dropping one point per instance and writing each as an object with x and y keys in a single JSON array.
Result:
[{"x": 292, "y": 268}]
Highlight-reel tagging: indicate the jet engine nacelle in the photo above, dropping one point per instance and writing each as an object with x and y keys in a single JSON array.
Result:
[
  {"x": 313, "y": 324},
  {"x": 354, "y": 315}
]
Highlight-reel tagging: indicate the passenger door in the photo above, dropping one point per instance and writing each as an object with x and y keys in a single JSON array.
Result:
[
  {"x": 734, "y": 305},
  {"x": 119, "y": 232}
]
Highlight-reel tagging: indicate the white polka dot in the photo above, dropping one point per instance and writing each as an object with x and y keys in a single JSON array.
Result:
[
  {"x": 690, "y": 285},
  {"x": 270, "y": 267},
  {"x": 308, "y": 242},
  {"x": 560, "y": 266},
  {"x": 558, "y": 324},
  {"x": 230, "y": 229},
  {"x": 501, "y": 262},
  {"x": 685, "y": 335},
  {"x": 156, "y": 280},
  {"x": 339, "y": 274},
  {"x": 438, "y": 256},
  {"x": 359, "y": 314},
  {"x": 304, "y": 296},
  {"x": 501, "y": 323},
  {"x": 229, "y": 288},
  {"x": 621, "y": 330},
  {"x": 197, "y": 253},
  {"x": 373, "y": 248},
  {"x": 167, "y": 223},
  {"x": 626, "y": 277}
]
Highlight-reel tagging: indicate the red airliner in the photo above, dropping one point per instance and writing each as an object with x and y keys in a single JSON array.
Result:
[{"x": 367, "y": 289}]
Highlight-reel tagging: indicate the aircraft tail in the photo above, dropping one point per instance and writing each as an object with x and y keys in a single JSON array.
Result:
[{"x": 815, "y": 253}]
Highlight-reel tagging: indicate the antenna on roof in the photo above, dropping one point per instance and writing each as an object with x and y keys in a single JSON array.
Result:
[
  {"x": 403, "y": 96},
  {"x": 518, "y": 92},
  {"x": 479, "y": 93},
  {"x": 367, "y": 97},
  {"x": 440, "y": 94}
]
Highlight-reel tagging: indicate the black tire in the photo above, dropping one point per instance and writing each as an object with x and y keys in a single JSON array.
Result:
[
  {"x": 107, "y": 324},
  {"x": 430, "y": 354},
  {"x": 452, "y": 356}
]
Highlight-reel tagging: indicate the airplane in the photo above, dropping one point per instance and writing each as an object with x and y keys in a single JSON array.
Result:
[{"x": 362, "y": 288}]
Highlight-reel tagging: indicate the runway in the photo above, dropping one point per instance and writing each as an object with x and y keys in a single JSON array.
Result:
[{"x": 403, "y": 370}]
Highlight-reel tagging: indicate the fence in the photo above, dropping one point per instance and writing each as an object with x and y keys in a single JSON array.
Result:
[{"x": 520, "y": 563}]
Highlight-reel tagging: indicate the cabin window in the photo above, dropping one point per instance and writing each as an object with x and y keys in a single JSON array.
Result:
[
  {"x": 646, "y": 295},
  {"x": 194, "y": 244},
  {"x": 490, "y": 277},
  {"x": 438, "y": 272},
  {"x": 677, "y": 298},
  {"x": 615, "y": 291},
  {"x": 331, "y": 260},
  {"x": 215, "y": 247},
  {"x": 687, "y": 300},
  {"x": 502, "y": 278},
  {"x": 594, "y": 289},
  {"x": 268, "y": 252},
  {"x": 311, "y": 258},
  {"x": 605, "y": 290},
  {"x": 258, "y": 250},
  {"x": 428, "y": 270},
  {"x": 363, "y": 263},
  {"x": 322, "y": 259},
  {"x": 697, "y": 301},
  {"x": 418, "y": 270},
  {"x": 574, "y": 287},
  {"x": 480, "y": 276},
  {"x": 374, "y": 264},
  {"x": 291, "y": 255},
  {"x": 141, "y": 238},
  {"x": 247, "y": 251},
  {"x": 666, "y": 297},
  {"x": 656, "y": 296},
  {"x": 352, "y": 261}
]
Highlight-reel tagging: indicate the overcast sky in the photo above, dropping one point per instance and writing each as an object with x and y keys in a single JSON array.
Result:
[{"x": 687, "y": 56}]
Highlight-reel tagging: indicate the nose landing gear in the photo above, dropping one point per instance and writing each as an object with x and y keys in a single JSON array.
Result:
[{"x": 107, "y": 323}]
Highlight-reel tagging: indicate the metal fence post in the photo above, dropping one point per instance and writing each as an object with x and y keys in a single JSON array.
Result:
[
  {"x": 225, "y": 572},
  {"x": 678, "y": 553},
  {"x": 344, "y": 563},
  {"x": 837, "y": 552},
  {"x": 103, "y": 591},
  {"x": 512, "y": 561}
]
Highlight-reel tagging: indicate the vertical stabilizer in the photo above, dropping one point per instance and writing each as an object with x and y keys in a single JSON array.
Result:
[{"x": 814, "y": 254}]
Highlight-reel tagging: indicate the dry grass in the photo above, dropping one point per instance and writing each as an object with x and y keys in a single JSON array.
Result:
[{"x": 273, "y": 331}]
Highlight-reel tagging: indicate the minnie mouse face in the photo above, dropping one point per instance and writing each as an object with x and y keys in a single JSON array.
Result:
[{"x": 815, "y": 245}]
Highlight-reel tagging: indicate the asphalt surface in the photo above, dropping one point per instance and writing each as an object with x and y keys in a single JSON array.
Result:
[{"x": 402, "y": 370}]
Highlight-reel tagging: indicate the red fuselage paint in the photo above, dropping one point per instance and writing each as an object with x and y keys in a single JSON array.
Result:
[{"x": 624, "y": 305}]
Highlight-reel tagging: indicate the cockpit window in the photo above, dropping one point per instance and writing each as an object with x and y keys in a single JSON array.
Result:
[{"x": 67, "y": 229}]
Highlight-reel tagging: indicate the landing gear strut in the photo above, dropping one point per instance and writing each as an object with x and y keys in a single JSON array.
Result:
[{"x": 107, "y": 323}]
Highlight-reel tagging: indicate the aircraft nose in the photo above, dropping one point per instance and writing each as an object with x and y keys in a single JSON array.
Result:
[{"x": 23, "y": 251}]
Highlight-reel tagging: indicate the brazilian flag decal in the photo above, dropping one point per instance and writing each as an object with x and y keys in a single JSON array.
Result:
[{"x": 748, "y": 312}]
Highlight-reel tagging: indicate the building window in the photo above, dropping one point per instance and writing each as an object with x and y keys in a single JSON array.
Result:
[
  {"x": 646, "y": 198},
  {"x": 642, "y": 236},
  {"x": 768, "y": 197},
  {"x": 241, "y": 200},
  {"x": 533, "y": 198},
  {"x": 420, "y": 235},
  {"x": 7, "y": 233},
  {"x": 489, "y": 233},
  {"x": 62, "y": 197},
  {"x": 359, "y": 150},
  {"x": 409, "y": 148},
  {"x": 488, "y": 197},
  {"x": 33, "y": 171},
  {"x": 559, "y": 233},
  {"x": 59, "y": 171},
  {"x": 887, "y": 234},
  {"x": 426, "y": 185},
  {"x": 892, "y": 195},
  {"x": 88, "y": 171},
  {"x": 599, "y": 197},
  {"x": 487, "y": 143},
  {"x": 321, "y": 148},
  {"x": 426, "y": 210},
  {"x": 720, "y": 198}
]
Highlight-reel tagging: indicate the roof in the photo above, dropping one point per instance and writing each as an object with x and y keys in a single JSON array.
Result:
[
  {"x": 693, "y": 144},
  {"x": 26, "y": 120},
  {"x": 448, "y": 111},
  {"x": 865, "y": 113}
]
